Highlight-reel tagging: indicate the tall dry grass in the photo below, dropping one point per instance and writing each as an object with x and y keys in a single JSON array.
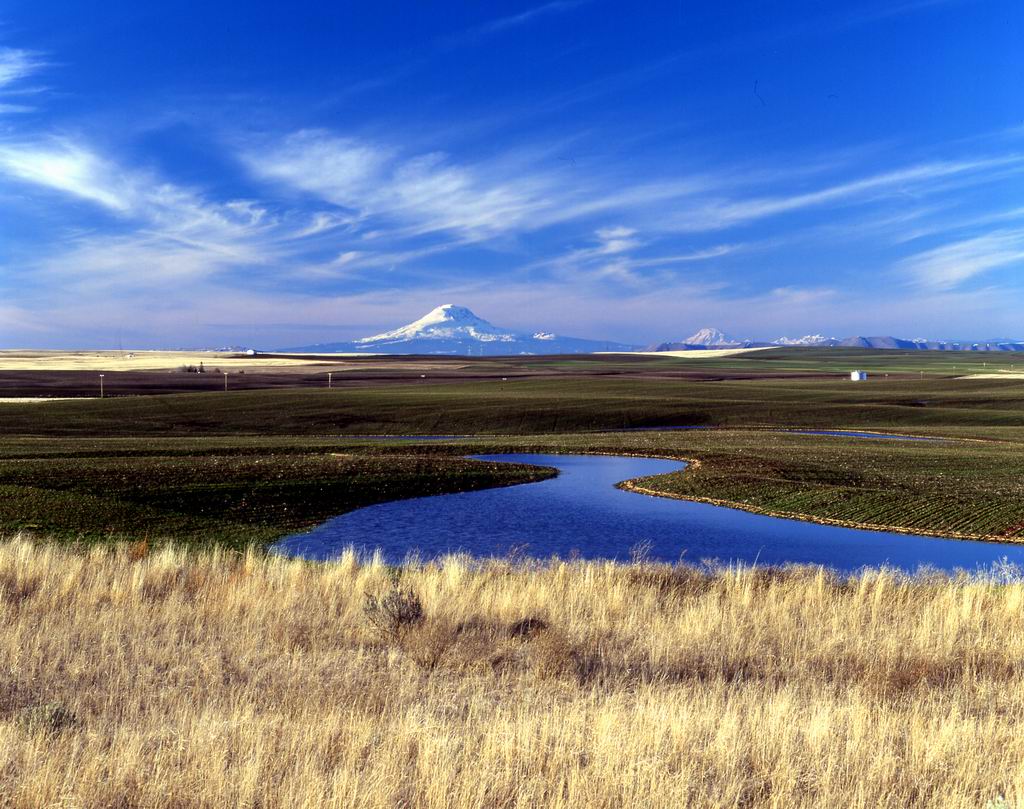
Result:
[{"x": 172, "y": 679}]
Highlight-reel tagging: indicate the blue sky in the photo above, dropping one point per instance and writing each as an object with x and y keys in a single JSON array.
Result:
[{"x": 269, "y": 174}]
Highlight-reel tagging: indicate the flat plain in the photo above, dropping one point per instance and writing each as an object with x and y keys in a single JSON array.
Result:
[
  {"x": 249, "y": 465},
  {"x": 154, "y": 655}
]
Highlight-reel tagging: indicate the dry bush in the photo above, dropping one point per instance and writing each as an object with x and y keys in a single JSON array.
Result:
[
  {"x": 394, "y": 614},
  {"x": 552, "y": 654}
]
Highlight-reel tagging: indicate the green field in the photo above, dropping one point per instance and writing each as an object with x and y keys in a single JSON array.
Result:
[
  {"x": 546, "y": 405},
  {"x": 246, "y": 467}
]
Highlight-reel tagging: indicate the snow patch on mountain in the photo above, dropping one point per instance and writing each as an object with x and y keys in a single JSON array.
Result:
[
  {"x": 709, "y": 336},
  {"x": 806, "y": 340}
]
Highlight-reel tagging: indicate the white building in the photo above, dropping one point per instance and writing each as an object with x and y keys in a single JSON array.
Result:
[{"x": 858, "y": 376}]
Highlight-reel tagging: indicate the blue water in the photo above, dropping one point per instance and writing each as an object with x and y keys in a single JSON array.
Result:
[
  {"x": 855, "y": 434},
  {"x": 581, "y": 511},
  {"x": 838, "y": 433}
]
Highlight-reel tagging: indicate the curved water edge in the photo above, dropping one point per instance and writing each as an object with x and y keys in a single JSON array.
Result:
[
  {"x": 788, "y": 431},
  {"x": 667, "y": 429},
  {"x": 583, "y": 512}
]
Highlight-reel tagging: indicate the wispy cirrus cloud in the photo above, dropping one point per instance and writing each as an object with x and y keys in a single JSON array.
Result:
[
  {"x": 63, "y": 166},
  {"x": 952, "y": 223},
  {"x": 622, "y": 254},
  {"x": 16, "y": 65},
  {"x": 430, "y": 193},
  {"x": 425, "y": 193},
  {"x": 617, "y": 239},
  {"x": 377, "y": 205},
  {"x": 164, "y": 232},
  {"x": 950, "y": 265},
  {"x": 718, "y": 214},
  {"x": 524, "y": 17}
]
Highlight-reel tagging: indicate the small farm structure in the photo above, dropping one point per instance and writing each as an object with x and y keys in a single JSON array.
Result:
[{"x": 858, "y": 376}]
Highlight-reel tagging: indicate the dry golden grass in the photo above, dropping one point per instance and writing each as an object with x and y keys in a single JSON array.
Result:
[
  {"x": 13, "y": 360},
  {"x": 138, "y": 678}
]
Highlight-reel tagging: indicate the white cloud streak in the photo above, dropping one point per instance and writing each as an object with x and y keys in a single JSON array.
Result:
[
  {"x": 950, "y": 265},
  {"x": 16, "y": 64},
  {"x": 430, "y": 193},
  {"x": 66, "y": 167},
  {"x": 173, "y": 233},
  {"x": 720, "y": 215},
  {"x": 424, "y": 194},
  {"x": 516, "y": 20}
]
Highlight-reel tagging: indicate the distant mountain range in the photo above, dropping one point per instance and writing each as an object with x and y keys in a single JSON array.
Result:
[
  {"x": 714, "y": 338},
  {"x": 455, "y": 330},
  {"x": 452, "y": 329}
]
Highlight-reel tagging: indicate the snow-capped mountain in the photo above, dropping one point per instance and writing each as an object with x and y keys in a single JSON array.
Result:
[
  {"x": 714, "y": 338},
  {"x": 711, "y": 337},
  {"x": 452, "y": 329},
  {"x": 445, "y": 323},
  {"x": 708, "y": 337},
  {"x": 807, "y": 340}
]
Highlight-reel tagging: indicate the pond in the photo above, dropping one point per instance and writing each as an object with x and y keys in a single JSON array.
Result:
[{"x": 581, "y": 512}]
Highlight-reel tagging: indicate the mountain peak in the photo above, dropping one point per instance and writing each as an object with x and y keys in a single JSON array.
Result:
[
  {"x": 449, "y": 312},
  {"x": 454, "y": 329},
  {"x": 444, "y": 322},
  {"x": 806, "y": 340},
  {"x": 709, "y": 336}
]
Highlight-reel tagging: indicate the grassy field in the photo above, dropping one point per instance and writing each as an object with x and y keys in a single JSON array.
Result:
[
  {"x": 546, "y": 405},
  {"x": 249, "y": 466},
  {"x": 171, "y": 679},
  {"x": 797, "y": 387},
  {"x": 233, "y": 494}
]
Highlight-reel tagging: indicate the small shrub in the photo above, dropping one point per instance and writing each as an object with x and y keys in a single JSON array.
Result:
[
  {"x": 393, "y": 614},
  {"x": 527, "y": 628},
  {"x": 553, "y": 655}
]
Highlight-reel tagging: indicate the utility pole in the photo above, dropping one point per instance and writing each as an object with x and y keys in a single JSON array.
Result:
[
  {"x": 329, "y": 375},
  {"x": 225, "y": 381},
  {"x": 101, "y": 386}
]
